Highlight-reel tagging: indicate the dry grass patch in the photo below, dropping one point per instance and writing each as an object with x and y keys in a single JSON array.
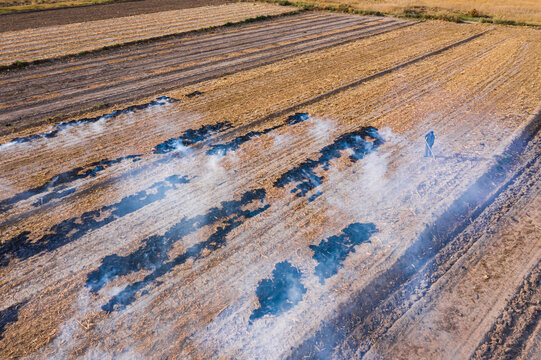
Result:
[
  {"x": 511, "y": 12},
  {"x": 9, "y": 6}
]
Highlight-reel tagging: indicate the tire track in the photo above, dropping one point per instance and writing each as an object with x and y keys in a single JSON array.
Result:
[{"x": 509, "y": 335}]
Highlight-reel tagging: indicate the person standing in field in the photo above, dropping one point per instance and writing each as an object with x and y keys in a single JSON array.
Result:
[{"x": 429, "y": 138}]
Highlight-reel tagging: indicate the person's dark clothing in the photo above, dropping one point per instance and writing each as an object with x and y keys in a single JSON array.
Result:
[{"x": 430, "y": 137}]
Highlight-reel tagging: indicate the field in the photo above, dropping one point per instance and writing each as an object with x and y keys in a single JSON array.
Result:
[
  {"x": 504, "y": 11},
  {"x": 31, "y": 9},
  {"x": 262, "y": 191},
  {"x": 7, "y": 6},
  {"x": 20, "y": 20},
  {"x": 50, "y": 42}
]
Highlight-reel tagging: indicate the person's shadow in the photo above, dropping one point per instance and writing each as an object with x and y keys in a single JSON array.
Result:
[{"x": 457, "y": 156}]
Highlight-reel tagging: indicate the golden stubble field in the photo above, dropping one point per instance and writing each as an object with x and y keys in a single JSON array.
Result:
[{"x": 163, "y": 256}]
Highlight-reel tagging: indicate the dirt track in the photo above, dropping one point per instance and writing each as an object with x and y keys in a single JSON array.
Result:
[{"x": 156, "y": 231}]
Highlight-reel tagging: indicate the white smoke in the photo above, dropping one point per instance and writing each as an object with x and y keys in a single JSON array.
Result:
[
  {"x": 7, "y": 189},
  {"x": 282, "y": 141},
  {"x": 322, "y": 129},
  {"x": 213, "y": 171}
]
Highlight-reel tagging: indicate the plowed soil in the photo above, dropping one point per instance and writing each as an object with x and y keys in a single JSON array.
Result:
[{"x": 262, "y": 192}]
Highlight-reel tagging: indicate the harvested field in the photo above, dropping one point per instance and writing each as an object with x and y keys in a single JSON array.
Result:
[
  {"x": 30, "y": 5},
  {"x": 50, "y": 42},
  {"x": 15, "y": 21},
  {"x": 49, "y": 90},
  {"x": 511, "y": 11},
  {"x": 261, "y": 192},
  {"x": 473, "y": 290}
]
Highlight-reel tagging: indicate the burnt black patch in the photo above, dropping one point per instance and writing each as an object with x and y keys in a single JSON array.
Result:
[
  {"x": 8, "y": 316},
  {"x": 20, "y": 247},
  {"x": 58, "y": 183},
  {"x": 152, "y": 254},
  {"x": 361, "y": 142},
  {"x": 194, "y": 94},
  {"x": 279, "y": 293},
  {"x": 163, "y": 100},
  {"x": 55, "y": 194},
  {"x": 315, "y": 196},
  {"x": 223, "y": 149},
  {"x": 297, "y": 118},
  {"x": 331, "y": 253},
  {"x": 190, "y": 137},
  {"x": 432, "y": 250}
]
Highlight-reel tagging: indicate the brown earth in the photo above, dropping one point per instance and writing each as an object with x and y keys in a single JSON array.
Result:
[
  {"x": 53, "y": 17},
  {"x": 178, "y": 276}
]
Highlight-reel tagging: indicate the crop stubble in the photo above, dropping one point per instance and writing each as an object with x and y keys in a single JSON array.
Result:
[
  {"x": 55, "y": 41},
  {"x": 96, "y": 81},
  {"x": 474, "y": 96}
]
